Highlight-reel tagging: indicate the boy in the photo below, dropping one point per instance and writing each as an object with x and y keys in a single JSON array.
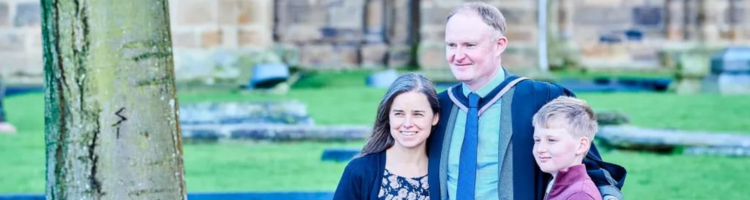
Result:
[{"x": 563, "y": 131}]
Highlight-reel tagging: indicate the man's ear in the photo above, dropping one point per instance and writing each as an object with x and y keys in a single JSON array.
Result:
[
  {"x": 501, "y": 43},
  {"x": 583, "y": 145}
]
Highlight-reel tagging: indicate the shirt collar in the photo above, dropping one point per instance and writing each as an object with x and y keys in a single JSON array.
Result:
[{"x": 487, "y": 88}]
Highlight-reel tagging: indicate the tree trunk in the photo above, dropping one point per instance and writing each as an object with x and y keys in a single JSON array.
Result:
[{"x": 112, "y": 129}]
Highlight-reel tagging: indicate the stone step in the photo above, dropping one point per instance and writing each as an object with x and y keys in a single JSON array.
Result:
[
  {"x": 209, "y": 133},
  {"x": 664, "y": 140},
  {"x": 228, "y": 113}
]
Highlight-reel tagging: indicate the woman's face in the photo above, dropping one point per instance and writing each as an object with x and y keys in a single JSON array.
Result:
[{"x": 411, "y": 120}]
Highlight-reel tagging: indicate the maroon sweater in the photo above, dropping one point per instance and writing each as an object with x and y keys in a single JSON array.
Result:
[{"x": 574, "y": 184}]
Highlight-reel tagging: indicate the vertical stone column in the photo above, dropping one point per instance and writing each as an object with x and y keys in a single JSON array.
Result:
[
  {"x": 692, "y": 19},
  {"x": 736, "y": 18},
  {"x": 375, "y": 21},
  {"x": 20, "y": 42},
  {"x": 402, "y": 30},
  {"x": 431, "y": 52},
  {"x": 374, "y": 50},
  {"x": 675, "y": 20},
  {"x": 711, "y": 21}
]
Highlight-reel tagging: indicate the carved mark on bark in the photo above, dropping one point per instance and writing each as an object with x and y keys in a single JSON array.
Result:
[
  {"x": 150, "y": 49},
  {"x": 164, "y": 80},
  {"x": 122, "y": 119},
  {"x": 93, "y": 158},
  {"x": 139, "y": 193}
]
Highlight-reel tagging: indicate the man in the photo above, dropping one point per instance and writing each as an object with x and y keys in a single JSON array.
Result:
[
  {"x": 5, "y": 127},
  {"x": 482, "y": 147}
]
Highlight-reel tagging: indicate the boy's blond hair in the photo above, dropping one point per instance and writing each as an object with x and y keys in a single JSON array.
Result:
[{"x": 580, "y": 118}]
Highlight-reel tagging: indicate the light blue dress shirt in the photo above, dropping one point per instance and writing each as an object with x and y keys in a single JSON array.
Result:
[{"x": 487, "y": 150}]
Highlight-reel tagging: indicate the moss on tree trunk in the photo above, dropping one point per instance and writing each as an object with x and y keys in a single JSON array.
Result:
[{"x": 112, "y": 129}]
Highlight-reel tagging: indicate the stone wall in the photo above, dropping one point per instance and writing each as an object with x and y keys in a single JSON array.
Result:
[
  {"x": 20, "y": 41},
  {"x": 632, "y": 33},
  {"x": 521, "y": 32},
  {"x": 345, "y": 34},
  {"x": 217, "y": 40}
]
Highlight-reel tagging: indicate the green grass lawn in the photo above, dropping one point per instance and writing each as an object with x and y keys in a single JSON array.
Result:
[{"x": 246, "y": 166}]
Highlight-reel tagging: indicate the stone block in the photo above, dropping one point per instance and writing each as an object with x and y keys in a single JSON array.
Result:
[
  {"x": 727, "y": 83},
  {"x": 228, "y": 12},
  {"x": 375, "y": 14},
  {"x": 345, "y": 13},
  {"x": 255, "y": 12},
  {"x": 34, "y": 63},
  {"x": 433, "y": 14},
  {"x": 341, "y": 35},
  {"x": 432, "y": 33},
  {"x": 12, "y": 63},
  {"x": 193, "y": 65},
  {"x": 644, "y": 52},
  {"x": 602, "y": 16},
  {"x": 524, "y": 35},
  {"x": 431, "y": 55},
  {"x": 300, "y": 33},
  {"x": 187, "y": 39},
  {"x": 34, "y": 38},
  {"x": 196, "y": 12},
  {"x": 28, "y": 14},
  {"x": 211, "y": 38},
  {"x": 321, "y": 56},
  {"x": 520, "y": 57},
  {"x": 291, "y": 12},
  {"x": 586, "y": 34},
  {"x": 402, "y": 17},
  {"x": 602, "y": 3},
  {"x": 605, "y": 55},
  {"x": 289, "y": 54},
  {"x": 663, "y": 140},
  {"x": 254, "y": 37},
  {"x": 4, "y": 14},
  {"x": 229, "y": 113},
  {"x": 374, "y": 55},
  {"x": 519, "y": 16},
  {"x": 648, "y": 16},
  {"x": 11, "y": 41},
  {"x": 400, "y": 55}
]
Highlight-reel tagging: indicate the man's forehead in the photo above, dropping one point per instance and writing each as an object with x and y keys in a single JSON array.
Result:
[
  {"x": 464, "y": 17},
  {"x": 466, "y": 26}
]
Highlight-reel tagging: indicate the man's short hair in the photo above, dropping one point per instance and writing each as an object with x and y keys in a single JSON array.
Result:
[
  {"x": 489, "y": 14},
  {"x": 579, "y": 118}
]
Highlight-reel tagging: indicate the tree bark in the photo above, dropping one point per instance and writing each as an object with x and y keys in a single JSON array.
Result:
[{"x": 112, "y": 129}]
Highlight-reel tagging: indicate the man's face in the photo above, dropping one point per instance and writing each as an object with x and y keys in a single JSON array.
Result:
[{"x": 473, "y": 55}]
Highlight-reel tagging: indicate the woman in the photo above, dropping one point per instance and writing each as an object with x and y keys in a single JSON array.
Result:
[{"x": 393, "y": 163}]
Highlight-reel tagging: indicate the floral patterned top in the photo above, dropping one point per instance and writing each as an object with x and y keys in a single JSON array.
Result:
[{"x": 395, "y": 187}]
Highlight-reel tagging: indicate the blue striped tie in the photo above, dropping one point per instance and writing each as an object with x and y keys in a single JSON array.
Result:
[{"x": 467, "y": 168}]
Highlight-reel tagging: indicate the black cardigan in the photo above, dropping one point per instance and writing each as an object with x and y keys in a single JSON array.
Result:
[{"x": 361, "y": 178}]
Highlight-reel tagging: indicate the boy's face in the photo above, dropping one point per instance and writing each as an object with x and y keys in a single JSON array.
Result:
[{"x": 557, "y": 149}]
